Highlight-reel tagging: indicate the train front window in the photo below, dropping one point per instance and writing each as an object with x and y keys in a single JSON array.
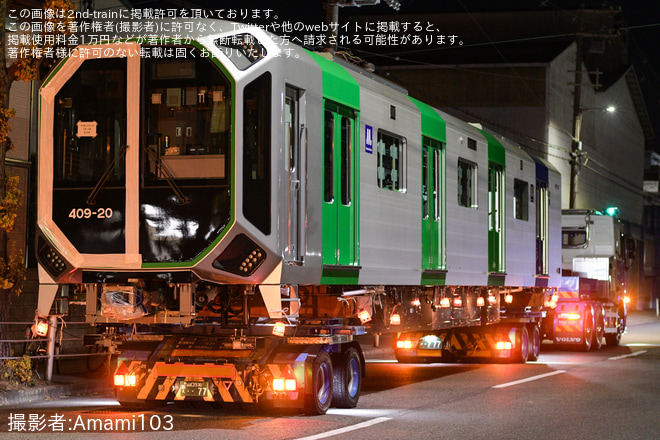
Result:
[
  {"x": 90, "y": 125},
  {"x": 187, "y": 117}
]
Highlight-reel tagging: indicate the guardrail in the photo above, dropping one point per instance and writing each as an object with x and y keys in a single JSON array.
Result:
[{"x": 52, "y": 342}]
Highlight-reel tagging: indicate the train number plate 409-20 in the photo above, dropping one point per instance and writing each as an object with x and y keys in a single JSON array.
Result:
[{"x": 194, "y": 388}]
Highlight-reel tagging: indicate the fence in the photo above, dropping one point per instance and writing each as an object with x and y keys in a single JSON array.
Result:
[{"x": 52, "y": 342}]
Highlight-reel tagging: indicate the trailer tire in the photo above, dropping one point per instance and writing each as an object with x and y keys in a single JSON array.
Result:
[
  {"x": 521, "y": 352},
  {"x": 588, "y": 330},
  {"x": 534, "y": 343},
  {"x": 319, "y": 400},
  {"x": 599, "y": 330},
  {"x": 347, "y": 379}
]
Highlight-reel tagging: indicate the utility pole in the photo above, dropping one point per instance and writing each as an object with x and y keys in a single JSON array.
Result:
[{"x": 576, "y": 145}]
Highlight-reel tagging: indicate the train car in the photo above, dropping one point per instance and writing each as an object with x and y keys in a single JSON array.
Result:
[{"x": 248, "y": 207}]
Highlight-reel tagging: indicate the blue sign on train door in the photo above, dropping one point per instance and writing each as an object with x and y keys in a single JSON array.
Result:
[{"x": 368, "y": 139}]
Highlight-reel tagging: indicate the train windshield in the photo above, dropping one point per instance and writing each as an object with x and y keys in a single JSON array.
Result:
[
  {"x": 186, "y": 114},
  {"x": 574, "y": 237},
  {"x": 90, "y": 125}
]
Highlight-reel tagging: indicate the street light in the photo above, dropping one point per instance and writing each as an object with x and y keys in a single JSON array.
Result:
[{"x": 576, "y": 150}]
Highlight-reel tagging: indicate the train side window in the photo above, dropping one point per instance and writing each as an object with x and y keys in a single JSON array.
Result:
[
  {"x": 391, "y": 161},
  {"x": 467, "y": 184},
  {"x": 520, "y": 199},
  {"x": 256, "y": 152}
]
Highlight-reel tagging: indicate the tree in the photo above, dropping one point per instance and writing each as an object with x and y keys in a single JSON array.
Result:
[{"x": 26, "y": 66}]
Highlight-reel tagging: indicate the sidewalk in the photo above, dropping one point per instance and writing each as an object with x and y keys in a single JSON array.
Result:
[{"x": 73, "y": 380}]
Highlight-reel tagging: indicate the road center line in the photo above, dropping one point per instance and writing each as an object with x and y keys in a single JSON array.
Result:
[
  {"x": 347, "y": 429},
  {"x": 623, "y": 356},
  {"x": 529, "y": 379}
]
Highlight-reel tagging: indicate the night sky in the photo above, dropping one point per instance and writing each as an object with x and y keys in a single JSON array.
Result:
[{"x": 641, "y": 16}]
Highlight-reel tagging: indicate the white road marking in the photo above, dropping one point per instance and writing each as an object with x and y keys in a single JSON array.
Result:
[
  {"x": 529, "y": 379},
  {"x": 347, "y": 429},
  {"x": 623, "y": 356}
]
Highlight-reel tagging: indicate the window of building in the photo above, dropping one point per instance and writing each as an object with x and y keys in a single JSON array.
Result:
[{"x": 391, "y": 161}]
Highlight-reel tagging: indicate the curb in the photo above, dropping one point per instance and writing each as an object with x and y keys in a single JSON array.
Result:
[{"x": 54, "y": 391}]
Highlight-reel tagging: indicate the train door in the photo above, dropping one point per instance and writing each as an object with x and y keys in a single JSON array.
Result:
[
  {"x": 295, "y": 142},
  {"x": 542, "y": 228},
  {"x": 339, "y": 203},
  {"x": 496, "y": 257},
  {"x": 433, "y": 205}
]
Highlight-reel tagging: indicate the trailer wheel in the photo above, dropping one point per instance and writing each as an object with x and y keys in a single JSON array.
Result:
[
  {"x": 522, "y": 349},
  {"x": 599, "y": 330},
  {"x": 347, "y": 379},
  {"x": 588, "y": 331},
  {"x": 319, "y": 400},
  {"x": 534, "y": 343}
]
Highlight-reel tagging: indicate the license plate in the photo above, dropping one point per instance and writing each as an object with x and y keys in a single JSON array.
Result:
[{"x": 194, "y": 388}]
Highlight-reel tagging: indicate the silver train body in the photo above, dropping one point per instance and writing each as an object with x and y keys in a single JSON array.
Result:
[{"x": 331, "y": 180}]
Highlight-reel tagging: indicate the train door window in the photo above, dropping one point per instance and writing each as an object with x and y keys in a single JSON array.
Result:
[
  {"x": 187, "y": 114},
  {"x": 542, "y": 228},
  {"x": 293, "y": 139},
  {"x": 433, "y": 230},
  {"x": 520, "y": 199},
  {"x": 467, "y": 184},
  {"x": 256, "y": 152},
  {"x": 339, "y": 211},
  {"x": 496, "y": 233},
  {"x": 391, "y": 161},
  {"x": 329, "y": 157},
  {"x": 90, "y": 125},
  {"x": 346, "y": 156}
]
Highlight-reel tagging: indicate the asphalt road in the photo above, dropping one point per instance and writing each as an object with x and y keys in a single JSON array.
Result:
[{"x": 610, "y": 394}]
